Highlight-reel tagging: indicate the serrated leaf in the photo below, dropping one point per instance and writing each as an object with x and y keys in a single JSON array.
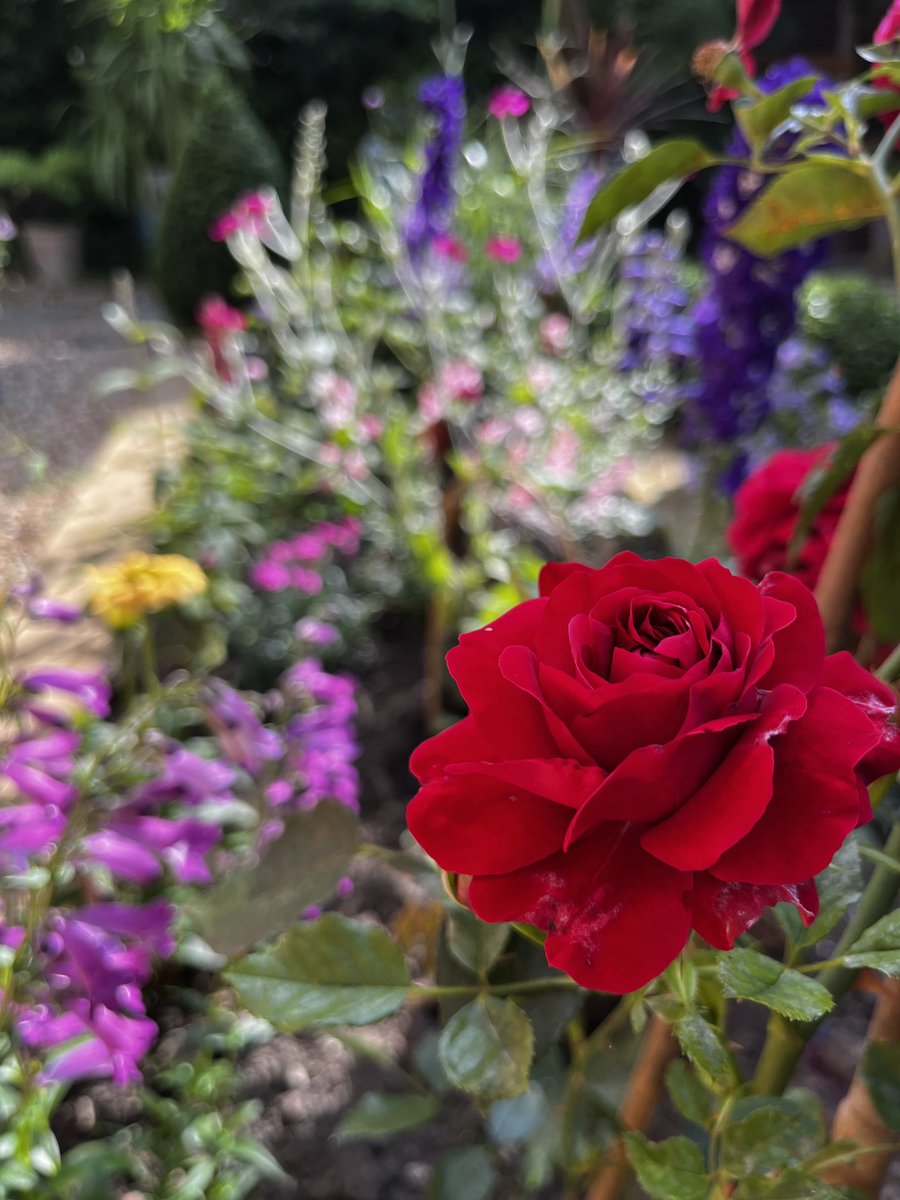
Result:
[
  {"x": 826, "y": 479},
  {"x": 510, "y": 1121},
  {"x": 674, "y": 159},
  {"x": 301, "y": 868},
  {"x": 761, "y": 118},
  {"x": 333, "y": 971},
  {"x": 468, "y": 1174},
  {"x": 882, "y": 571},
  {"x": 839, "y": 886},
  {"x": 688, "y": 1092},
  {"x": 474, "y": 943},
  {"x": 486, "y": 1048},
  {"x": 792, "y": 1184},
  {"x": 705, "y": 1047},
  {"x": 380, "y": 1115},
  {"x": 764, "y": 1135},
  {"x": 748, "y": 975},
  {"x": 813, "y": 200},
  {"x": 879, "y": 946},
  {"x": 881, "y": 1073},
  {"x": 671, "y": 1170}
]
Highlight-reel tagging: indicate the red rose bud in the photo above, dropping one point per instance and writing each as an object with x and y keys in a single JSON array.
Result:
[
  {"x": 755, "y": 21},
  {"x": 651, "y": 748},
  {"x": 888, "y": 31}
]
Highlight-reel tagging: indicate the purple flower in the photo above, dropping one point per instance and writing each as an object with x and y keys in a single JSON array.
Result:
[
  {"x": 444, "y": 97},
  {"x": 91, "y": 691},
  {"x": 508, "y": 101},
  {"x": 270, "y": 576},
  {"x": 749, "y": 308},
  {"x": 42, "y": 608},
  {"x": 242, "y": 736},
  {"x": 315, "y": 633}
]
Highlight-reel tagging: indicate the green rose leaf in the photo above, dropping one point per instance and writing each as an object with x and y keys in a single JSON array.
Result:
[
  {"x": 881, "y": 1073},
  {"x": 688, "y": 1092},
  {"x": 748, "y": 975},
  {"x": 333, "y": 971},
  {"x": 879, "y": 946},
  {"x": 670, "y": 1170},
  {"x": 474, "y": 943},
  {"x": 761, "y": 118},
  {"x": 791, "y": 1185},
  {"x": 379, "y": 1115},
  {"x": 299, "y": 869},
  {"x": 826, "y": 479},
  {"x": 815, "y": 198},
  {"x": 879, "y": 583},
  {"x": 469, "y": 1174},
  {"x": 486, "y": 1048},
  {"x": 674, "y": 159},
  {"x": 766, "y": 1135},
  {"x": 705, "y": 1047}
]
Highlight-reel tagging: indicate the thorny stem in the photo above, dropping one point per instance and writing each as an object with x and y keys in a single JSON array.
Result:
[{"x": 522, "y": 987}]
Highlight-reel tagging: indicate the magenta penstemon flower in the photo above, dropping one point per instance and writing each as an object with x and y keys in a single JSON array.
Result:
[
  {"x": 508, "y": 101},
  {"x": 503, "y": 248}
]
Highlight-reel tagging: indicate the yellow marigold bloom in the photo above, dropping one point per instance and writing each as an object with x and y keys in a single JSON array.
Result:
[{"x": 140, "y": 583}]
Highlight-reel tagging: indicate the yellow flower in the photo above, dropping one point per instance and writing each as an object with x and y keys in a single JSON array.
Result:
[{"x": 123, "y": 592}]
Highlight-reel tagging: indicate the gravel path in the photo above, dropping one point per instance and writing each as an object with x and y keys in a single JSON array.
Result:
[{"x": 53, "y": 348}]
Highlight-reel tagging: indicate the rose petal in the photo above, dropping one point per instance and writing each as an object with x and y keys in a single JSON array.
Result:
[
  {"x": 461, "y": 742},
  {"x": 616, "y": 917},
  {"x": 723, "y": 911},
  {"x": 815, "y": 796}
]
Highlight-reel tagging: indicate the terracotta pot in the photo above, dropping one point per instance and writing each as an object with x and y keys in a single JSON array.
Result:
[{"x": 53, "y": 252}]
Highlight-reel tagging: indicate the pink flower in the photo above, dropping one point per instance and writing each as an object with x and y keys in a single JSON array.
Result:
[
  {"x": 493, "y": 432},
  {"x": 503, "y": 248},
  {"x": 462, "y": 380},
  {"x": 336, "y": 397},
  {"x": 224, "y": 227},
  {"x": 446, "y": 246},
  {"x": 249, "y": 213},
  {"x": 370, "y": 428},
  {"x": 508, "y": 102},
  {"x": 270, "y": 576},
  {"x": 214, "y": 314},
  {"x": 554, "y": 332}
]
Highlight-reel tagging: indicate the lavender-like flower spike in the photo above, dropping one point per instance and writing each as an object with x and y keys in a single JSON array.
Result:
[
  {"x": 444, "y": 97},
  {"x": 749, "y": 308}
]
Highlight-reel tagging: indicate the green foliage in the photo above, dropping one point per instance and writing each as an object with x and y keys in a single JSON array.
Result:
[
  {"x": 688, "y": 1092},
  {"x": 37, "y": 40},
  {"x": 749, "y": 975},
  {"x": 332, "y": 971},
  {"x": 765, "y": 1135},
  {"x": 814, "y": 199},
  {"x": 882, "y": 570},
  {"x": 377, "y": 1115},
  {"x": 469, "y": 1173},
  {"x": 671, "y": 1170},
  {"x": 666, "y": 162},
  {"x": 705, "y": 1046},
  {"x": 879, "y": 946},
  {"x": 53, "y": 180},
  {"x": 474, "y": 943},
  {"x": 227, "y": 153},
  {"x": 858, "y": 322},
  {"x": 487, "y": 1047},
  {"x": 141, "y": 81},
  {"x": 881, "y": 1074},
  {"x": 758, "y": 119},
  {"x": 300, "y": 868}
]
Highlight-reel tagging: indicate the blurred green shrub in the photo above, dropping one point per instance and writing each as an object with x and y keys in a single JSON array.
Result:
[
  {"x": 227, "y": 152},
  {"x": 858, "y": 321},
  {"x": 45, "y": 185}
]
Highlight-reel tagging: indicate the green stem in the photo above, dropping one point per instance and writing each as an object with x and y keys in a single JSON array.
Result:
[
  {"x": 523, "y": 987},
  {"x": 890, "y": 668},
  {"x": 785, "y": 1041}
]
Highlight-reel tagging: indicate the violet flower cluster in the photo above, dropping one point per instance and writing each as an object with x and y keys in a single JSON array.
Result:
[
  {"x": 651, "y": 304},
  {"x": 296, "y": 563},
  {"x": 749, "y": 308},
  {"x": 443, "y": 96}
]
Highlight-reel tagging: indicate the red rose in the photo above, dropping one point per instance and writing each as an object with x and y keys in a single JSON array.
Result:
[
  {"x": 766, "y": 512},
  {"x": 888, "y": 31},
  {"x": 651, "y": 747}
]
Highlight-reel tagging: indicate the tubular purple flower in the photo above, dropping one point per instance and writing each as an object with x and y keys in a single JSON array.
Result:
[{"x": 91, "y": 691}]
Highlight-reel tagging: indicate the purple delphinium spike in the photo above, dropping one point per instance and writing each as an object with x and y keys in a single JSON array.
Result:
[{"x": 444, "y": 97}]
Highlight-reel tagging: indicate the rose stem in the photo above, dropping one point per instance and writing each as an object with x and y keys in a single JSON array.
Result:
[
  {"x": 879, "y": 469},
  {"x": 856, "y": 1118},
  {"x": 645, "y": 1087},
  {"x": 786, "y": 1040}
]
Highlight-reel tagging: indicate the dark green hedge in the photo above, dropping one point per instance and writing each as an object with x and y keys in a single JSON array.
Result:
[{"x": 228, "y": 153}]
